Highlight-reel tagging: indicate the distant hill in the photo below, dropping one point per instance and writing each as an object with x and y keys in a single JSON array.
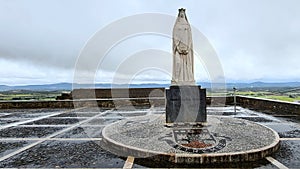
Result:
[
  {"x": 69, "y": 86},
  {"x": 4, "y": 88},
  {"x": 263, "y": 85},
  {"x": 46, "y": 87}
]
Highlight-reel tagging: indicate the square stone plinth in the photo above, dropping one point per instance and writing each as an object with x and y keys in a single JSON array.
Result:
[{"x": 186, "y": 104}]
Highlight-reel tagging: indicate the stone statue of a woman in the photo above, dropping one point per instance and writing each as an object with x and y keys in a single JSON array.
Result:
[{"x": 183, "y": 57}]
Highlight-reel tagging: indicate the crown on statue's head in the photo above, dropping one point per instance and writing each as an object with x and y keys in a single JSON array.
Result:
[{"x": 181, "y": 9}]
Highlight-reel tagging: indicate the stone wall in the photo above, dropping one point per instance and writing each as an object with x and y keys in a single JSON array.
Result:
[
  {"x": 269, "y": 106},
  {"x": 219, "y": 101},
  {"x": 152, "y": 97},
  {"x": 107, "y": 103},
  {"x": 35, "y": 104},
  {"x": 118, "y": 93}
]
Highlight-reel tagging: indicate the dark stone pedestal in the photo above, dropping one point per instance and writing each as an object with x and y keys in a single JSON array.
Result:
[{"x": 186, "y": 104}]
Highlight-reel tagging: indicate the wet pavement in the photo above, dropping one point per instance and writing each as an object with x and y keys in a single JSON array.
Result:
[{"x": 70, "y": 138}]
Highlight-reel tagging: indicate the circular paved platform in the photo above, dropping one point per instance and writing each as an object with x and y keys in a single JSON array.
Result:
[{"x": 224, "y": 139}]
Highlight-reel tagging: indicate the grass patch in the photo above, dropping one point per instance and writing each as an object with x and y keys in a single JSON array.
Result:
[{"x": 283, "y": 98}]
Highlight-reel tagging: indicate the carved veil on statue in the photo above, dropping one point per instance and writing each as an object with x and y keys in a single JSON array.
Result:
[
  {"x": 183, "y": 63},
  {"x": 186, "y": 102}
]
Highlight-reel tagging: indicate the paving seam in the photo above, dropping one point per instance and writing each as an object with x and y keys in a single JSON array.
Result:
[
  {"x": 50, "y": 139},
  {"x": 62, "y": 125},
  {"x": 52, "y": 135},
  {"x": 70, "y": 117},
  {"x": 129, "y": 162},
  {"x": 46, "y": 125},
  {"x": 111, "y": 118},
  {"x": 128, "y": 112},
  {"x": 38, "y": 118},
  {"x": 290, "y": 139},
  {"x": 276, "y": 163}
]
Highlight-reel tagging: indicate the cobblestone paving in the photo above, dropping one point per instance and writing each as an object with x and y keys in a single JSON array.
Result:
[{"x": 70, "y": 138}]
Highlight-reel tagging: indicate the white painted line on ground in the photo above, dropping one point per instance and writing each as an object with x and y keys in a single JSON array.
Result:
[
  {"x": 93, "y": 126},
  {"x": 17, "y": 118},
  {"x": 47, "y": 125},
  {"x": 63, "y": 125},
  {"x": 128, "y": 163},
  {"x": 129, "y": 112},
  {"x": 51, "y": 136},
  {"x": 289, "y": 139},
  {"x": 276, "y": 163},
  {"x": 112, "y": 118},
  {"x": 35, "y": 119},
  {"x": 50, "y": 139},
  {"x": 70, "y": 117},
  {"x": 75, "y": 125}
]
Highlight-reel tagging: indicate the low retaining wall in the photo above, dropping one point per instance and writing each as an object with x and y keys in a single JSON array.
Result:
[
  {"x": 35, "y": 104},
  {"x": 107, "y": 103},
  {"x": 269, "y": 106},
  {"x": 219, "y": 101},
  {"x": 117, "y": 93},
  {"x": 259, "y": 104}
]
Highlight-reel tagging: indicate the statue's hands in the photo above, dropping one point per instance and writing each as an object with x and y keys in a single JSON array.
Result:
[
  {"x": 182, "y": 48},
  {"x": 185, "y": 52}
]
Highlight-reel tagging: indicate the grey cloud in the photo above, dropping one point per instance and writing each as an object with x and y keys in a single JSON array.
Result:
[{"x": 51, "y": 33}]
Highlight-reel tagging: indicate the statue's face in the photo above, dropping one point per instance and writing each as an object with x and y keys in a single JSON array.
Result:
[{"x": 181, "y": 14}]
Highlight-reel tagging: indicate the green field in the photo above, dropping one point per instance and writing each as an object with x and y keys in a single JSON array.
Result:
[
  {"x": 289, "y": 97},
  {"x": 29, "y": 95}
]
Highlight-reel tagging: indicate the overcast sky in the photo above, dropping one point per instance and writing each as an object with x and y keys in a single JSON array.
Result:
[{"x": 255, "y": 40}]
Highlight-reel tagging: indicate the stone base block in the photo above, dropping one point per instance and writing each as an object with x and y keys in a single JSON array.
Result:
[{"x": 186, "y": 104}]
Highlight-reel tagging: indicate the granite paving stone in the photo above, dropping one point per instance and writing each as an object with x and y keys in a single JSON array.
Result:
[
  {"x": 289, "y": 154},
  {"x": 8, "y": 121},
  {"x": 256, "y": 119},
  {"x": 290, "y": 134},
  {"x": 28, "y": 132},
  {"x": 102, "y": 121},
  {"x": 55, "y": 121},
  {"x": 73, "y": 154},
  {"x": 79, "y": 114},
  {"x": 7, "y": 147}
]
